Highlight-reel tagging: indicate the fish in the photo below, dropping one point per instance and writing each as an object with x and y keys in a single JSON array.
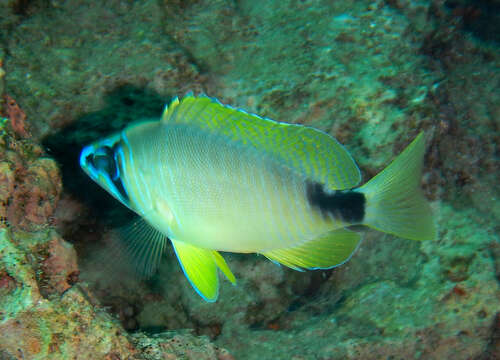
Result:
[{"x": 211, "y": 178}]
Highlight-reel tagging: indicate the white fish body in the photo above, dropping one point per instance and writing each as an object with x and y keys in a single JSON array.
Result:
[
  {"x": 212, "y": 178},
  {"x": 217, "y": 194}
]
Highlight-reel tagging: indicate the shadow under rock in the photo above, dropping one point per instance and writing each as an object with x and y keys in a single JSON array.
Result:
[{"x": 123, "y": 105}]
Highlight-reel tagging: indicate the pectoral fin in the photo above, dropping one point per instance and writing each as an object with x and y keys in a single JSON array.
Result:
[
  {"x": 329, "y": 250},
  {"x": 143, "y": 245},
  {"x": 200, "y": 267}
]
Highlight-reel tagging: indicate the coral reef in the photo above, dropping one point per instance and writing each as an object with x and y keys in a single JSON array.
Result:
[
  {"x": 16, "y": 116},
  {"x": 66, "y": 320},
  {"x": 30, "y": 186},
  {"x": 371, "y": 73},
  {"x": 35, "y": 327},
  {"x": 179, "y": 345}
]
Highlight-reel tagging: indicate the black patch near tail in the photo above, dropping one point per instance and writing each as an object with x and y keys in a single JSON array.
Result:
[{"x": 347, "y": 205}]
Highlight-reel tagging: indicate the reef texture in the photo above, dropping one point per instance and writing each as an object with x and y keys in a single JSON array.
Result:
[{"x": 371, "y": 73}]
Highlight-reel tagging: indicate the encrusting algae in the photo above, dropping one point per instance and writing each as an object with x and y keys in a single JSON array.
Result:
[{"x": 213, "y": 178}]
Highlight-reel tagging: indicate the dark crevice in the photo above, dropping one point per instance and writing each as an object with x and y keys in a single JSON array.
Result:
[
  {"x": 123, "y": 105},
  {"x": 479, "y": 17}
]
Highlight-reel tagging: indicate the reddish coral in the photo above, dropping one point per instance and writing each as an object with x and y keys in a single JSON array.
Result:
[
  {"x": 33, "y": 201},
  {"x": 44, "y": 175},
  {"x": 60, "y": 269},
  {"x": 458, "y": 290},
  {"x": 17, "y": 117},
  {"x": 6, "y": 187},
  {"x": 68, "y": 328},
  {"x": 68, "y": 211},
  {"x": 7, "y": 283}
]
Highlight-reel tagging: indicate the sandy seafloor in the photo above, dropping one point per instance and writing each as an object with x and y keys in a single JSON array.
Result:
[{"x": 371, "y": 73}]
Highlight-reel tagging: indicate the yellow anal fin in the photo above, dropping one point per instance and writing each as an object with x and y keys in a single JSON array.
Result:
[
  {"x": 221, "y": 263},
  {"x": 329, "y": 250},
  {"x": 200, "y": 267}
]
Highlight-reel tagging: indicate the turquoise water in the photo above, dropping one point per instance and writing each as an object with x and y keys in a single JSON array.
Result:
[{"x": 373, "y": 74}]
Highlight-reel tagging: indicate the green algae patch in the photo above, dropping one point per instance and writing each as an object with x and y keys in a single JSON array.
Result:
[
  {"x": 24, "y": 288},
  {"x": 386, "y": 306}
]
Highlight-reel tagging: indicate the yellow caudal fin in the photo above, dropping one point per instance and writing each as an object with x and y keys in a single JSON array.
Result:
[
  {"x": 394, "y": 201},
  {"x": 327, "y": 251},
  {"x": 200, "y": 267}
]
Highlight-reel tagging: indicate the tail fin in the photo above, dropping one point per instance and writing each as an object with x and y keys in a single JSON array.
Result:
[{"x": 394, "y": 201}]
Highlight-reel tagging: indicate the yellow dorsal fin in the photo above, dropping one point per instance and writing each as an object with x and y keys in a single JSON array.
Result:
[
  {"x": 311, "y": 152},
  {"x": 167, "y": 111},
  {"x": 329, "y": 250},
  {"x": 200, "y": 267}
]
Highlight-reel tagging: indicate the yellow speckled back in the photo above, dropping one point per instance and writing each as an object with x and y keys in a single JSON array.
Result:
[{"x": 309, "y": 151}]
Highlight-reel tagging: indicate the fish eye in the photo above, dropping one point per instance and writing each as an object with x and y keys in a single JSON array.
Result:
[{"x": 103, "y": 160}]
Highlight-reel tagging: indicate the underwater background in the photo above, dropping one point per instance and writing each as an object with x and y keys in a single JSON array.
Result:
[{"x": 373, "y": 74}]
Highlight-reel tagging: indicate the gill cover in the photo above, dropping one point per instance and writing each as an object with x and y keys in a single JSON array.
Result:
[{"x": 102, "y": 162}]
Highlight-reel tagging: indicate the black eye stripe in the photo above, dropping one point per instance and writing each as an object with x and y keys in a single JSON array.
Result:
[
  {"x": 106, "y": 160},
  {"x": 120, "y": 188},
  {"x": 103, "y": 160},
  {"x": 90, "y": 160},
  {"x": 107, "y": 150},
  {"x": 116, "y": 178}
]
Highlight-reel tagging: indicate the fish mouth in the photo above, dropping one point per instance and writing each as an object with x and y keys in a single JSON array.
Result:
[
  {"x": 97, "y": 162},
  {"x": 89, "y": 153}
]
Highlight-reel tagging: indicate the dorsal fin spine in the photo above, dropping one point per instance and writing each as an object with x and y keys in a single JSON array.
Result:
[{"x": 169, "y": 110}]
